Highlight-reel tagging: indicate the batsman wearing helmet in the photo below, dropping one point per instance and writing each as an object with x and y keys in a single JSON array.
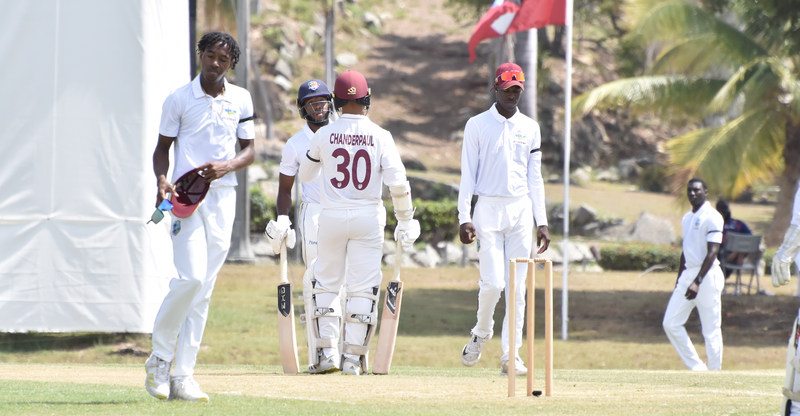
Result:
[
  {"x": 315, "y": 105},
  {"x": 786, "y": 253},
  {"x": 501, "y": 163},
  {"x": 353, "y": 156}
]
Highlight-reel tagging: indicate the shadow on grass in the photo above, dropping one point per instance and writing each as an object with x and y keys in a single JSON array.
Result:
[
  {"x": 626, "y": 316},
  {"x": 40, "y": 341}
]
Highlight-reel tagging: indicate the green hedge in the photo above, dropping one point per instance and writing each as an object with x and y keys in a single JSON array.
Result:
[
  {"x": 639, "y": 257},
  {"x": 432, "y": 216}
]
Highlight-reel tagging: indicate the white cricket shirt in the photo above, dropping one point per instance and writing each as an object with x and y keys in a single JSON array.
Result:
[
  {"x": 206, "y": 128},
  {"x": 293, "y": 153},
  {"x": 356, "y": 155},
  {"x": 699, "y": 229},
  {"x": 500, "y": 157}
]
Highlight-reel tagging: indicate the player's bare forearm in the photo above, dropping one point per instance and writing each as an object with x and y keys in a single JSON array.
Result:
[
  {"x": 212, "y": 171},
  {"x": 681, "y": 268},
  {"x": 713, "y": 249},
  {"x": 285, "y": 184},
  {"x": 161, "y": 167}
]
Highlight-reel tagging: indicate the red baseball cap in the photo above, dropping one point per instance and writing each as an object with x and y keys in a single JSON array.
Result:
[
  {"x": 191, "y": 189},
  {"x": 513, "y": 74},
  {"x": 350, "y": 85}
]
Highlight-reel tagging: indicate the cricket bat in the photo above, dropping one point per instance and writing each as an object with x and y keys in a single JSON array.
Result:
[
  {"x": 287, "y": 337},
  {"x": 389, "y": 319}
]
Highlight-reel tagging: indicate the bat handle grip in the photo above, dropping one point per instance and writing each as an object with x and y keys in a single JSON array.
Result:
[
  {"x": 284, "y": 266},
  {"x": 398, "y": 260}
]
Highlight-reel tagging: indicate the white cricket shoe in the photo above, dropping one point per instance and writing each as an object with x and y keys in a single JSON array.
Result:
[
  {"x": 326, "y": 365},
  {"x": 472, "y": 351},
  {"x": 519, "y": 366},
  {"x": 351, "y": 367},
  {"x": 157, "y": 381},
  {"x": 188, "y": 390}
]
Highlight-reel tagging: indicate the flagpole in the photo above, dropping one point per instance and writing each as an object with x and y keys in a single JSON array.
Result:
[{"x": 567, "y": 145}]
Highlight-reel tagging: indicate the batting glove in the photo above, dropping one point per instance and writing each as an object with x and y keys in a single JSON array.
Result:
[
  {"x": 279, "y": 230},
  {"x": 406, "y": 233}
]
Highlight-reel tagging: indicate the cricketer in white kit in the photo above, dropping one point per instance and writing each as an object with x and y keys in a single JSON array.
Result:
[
  {"x": 700, "y": 282},
  {"x": 354, "y": 156},
  {"x": 501, "y": 163},
  {"x": 205, "y": 118},
  {"x": 787, "y": 252},
  {"x": 314, "y": 103}
]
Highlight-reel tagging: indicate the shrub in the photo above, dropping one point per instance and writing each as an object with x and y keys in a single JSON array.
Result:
[
  {"x": 433, "y": 216},
  {"x": 653, "y": 179},
  {"x": 262, "y": 210},
  {"x": 639, "y": 257}
]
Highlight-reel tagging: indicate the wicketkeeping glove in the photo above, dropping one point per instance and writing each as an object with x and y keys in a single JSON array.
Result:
[
  {"x": 279, "y": 230},
  {"x": 406, "y": 233}
]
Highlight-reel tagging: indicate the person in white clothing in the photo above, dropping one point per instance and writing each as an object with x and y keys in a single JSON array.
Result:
[
  {"x": 790, "y": 251},
  {"x": 700, "y": 282},
  {"x": 501, "y": 163},
  {"x": 205, "y": 118},
  {"x": 354, "y": 156},
  {"x": 315, "y": 105}
]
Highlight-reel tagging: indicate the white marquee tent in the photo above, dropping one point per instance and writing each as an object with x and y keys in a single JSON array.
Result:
[{"x": 84, "y": 84}]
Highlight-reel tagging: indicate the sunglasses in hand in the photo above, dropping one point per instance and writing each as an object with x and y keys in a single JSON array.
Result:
[{"x": 158, "y": 215}]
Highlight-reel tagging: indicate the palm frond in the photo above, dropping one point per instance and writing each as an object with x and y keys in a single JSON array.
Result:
[
  {"x": 677, "y": 19},
  {"x": 735, "y": 155},
  {"x": 678, "y": 95},
  {"x": 689, "y": 56}
]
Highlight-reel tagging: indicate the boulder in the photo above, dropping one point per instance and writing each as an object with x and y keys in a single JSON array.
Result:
[
  {"x": 629, "y": 169},
  {"x": 450, "y": 253},
  {"x": 283, "y": 68},
  {"x": 261, "y": 247},
  {"x": 372, "y": 20},
  {"x": 407, "y": 262},
  {"x": 430, "y": 190},
  {"x": 608, "y": 175},
  {"x": 412, "y": 163},
  {"x": 283, "y": 82},
  {"x": 581, "y": 176},
  {"x": 650, "y": 228},
  {"x": 427, "y": 258},
  {"x": 583, "y": 215},
  {"x": 346, "y": 59},
  {"x": 255, "y": 173}
]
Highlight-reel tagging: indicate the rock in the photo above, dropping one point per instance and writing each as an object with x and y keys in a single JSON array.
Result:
[
  {"x": 372, "y": 20},
  {"x": 551, "y": 253},
  {"x": 608, "y": 175},
  {"x": 270, "y": 151},
  {"x": 255, "y": 173},
  {"x": 430, "y": 190},
  {"x": 745, "y": 197},
  {"x": 628, "y": 169},
  {"x": 457, "y": 136},
  {"x": 450, "y": 253},
  {"x": 582, "y": 176},
  {"x": 649, "y": 228},
  {"x": 346, "y": 59},
  {"x": 389, "y": 247},
  {"x": 583, "y": 215},
  {"x": 412, "y": 163},
  {"x": 283, "y": 68},
  {"x": 427, "y": 258},
  {"x": 283, "y": 82},
  {"x": 385, "y": 16},
  {"x": 407, "y": 262}
]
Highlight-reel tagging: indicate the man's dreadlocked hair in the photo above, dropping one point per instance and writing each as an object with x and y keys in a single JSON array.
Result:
[{"x": 212, "y": 38}]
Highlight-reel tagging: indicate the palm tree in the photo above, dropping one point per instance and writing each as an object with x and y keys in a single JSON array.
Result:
[{"x": 757, "y": 101}]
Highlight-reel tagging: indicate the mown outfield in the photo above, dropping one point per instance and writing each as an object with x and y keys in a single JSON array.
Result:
[{"x": 617, "y": 361}]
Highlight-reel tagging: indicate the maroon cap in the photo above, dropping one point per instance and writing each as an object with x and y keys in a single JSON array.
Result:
[
  {"x": 191, "y": 189},
  {"x": 509, "y": 69},
  {"x": 350, "y": 85}
]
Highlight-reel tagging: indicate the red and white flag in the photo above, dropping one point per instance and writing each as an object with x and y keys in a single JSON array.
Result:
[{"x": 510, "y": 16}]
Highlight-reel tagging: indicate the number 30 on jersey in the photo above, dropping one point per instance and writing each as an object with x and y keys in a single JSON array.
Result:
[{"x": 344, "y": 168}]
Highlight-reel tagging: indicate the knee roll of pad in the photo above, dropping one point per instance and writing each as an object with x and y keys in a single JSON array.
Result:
[
  {"x": 332, "y": 311},
  {"x": 790, "y": 392},
  {"x": 370, "y": 319},
  {"x": 401, "y": 199}
]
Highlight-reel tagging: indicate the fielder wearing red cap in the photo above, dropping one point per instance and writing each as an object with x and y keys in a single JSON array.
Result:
[
  {"x": 501, "y": 162},
  {"x": 205, "y": 119},
  {"x": 353, "y": 156}
]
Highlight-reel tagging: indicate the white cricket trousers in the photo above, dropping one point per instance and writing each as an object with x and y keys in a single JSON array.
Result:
[
  {"x": 309, "y": 226},
  {"x": 709, "y": 307},
  {"x": 200, "y": 245},
  {"x": 504, "y": 228},
  {"x": 351, "y": 242}
]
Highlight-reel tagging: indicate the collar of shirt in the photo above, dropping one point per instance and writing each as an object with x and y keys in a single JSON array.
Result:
[
  {"x": 500, "y": 119},
  {"x": 197, "y": 89},
  {"x": 353, "y": 116},
  {"x": 307, "y": 131}
]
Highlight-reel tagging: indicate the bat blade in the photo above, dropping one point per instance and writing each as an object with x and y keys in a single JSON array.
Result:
[
  {"x": 389, "y": 322},
  {"x": 287, "y": 337}
]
